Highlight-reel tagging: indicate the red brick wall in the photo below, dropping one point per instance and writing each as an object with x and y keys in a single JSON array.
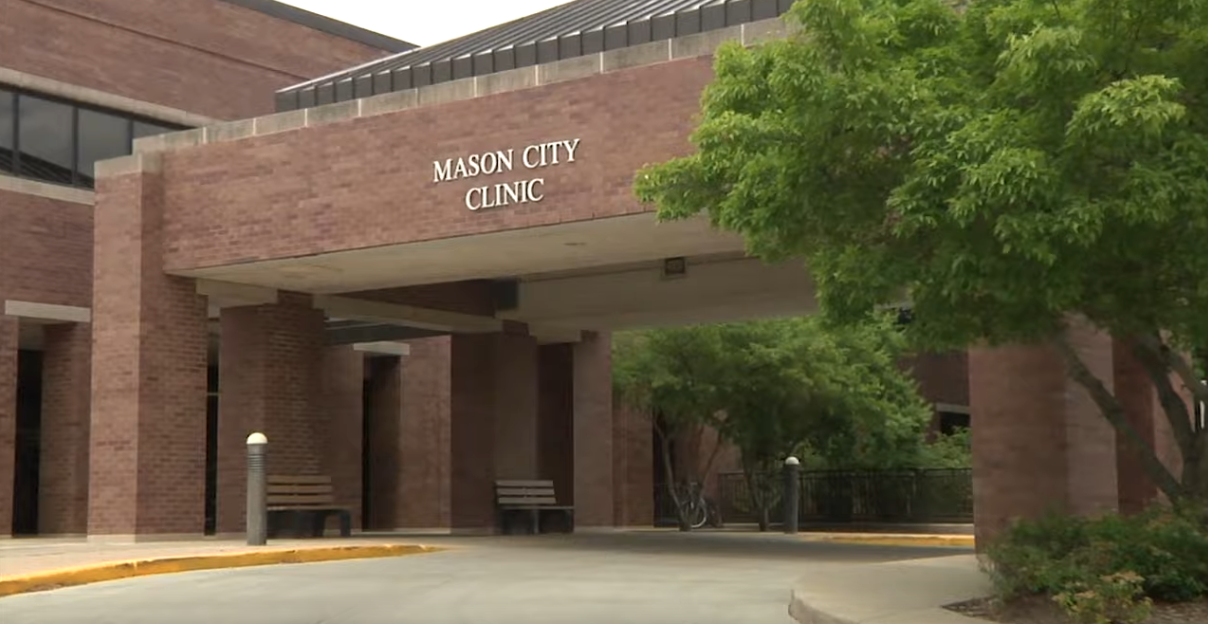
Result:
[
  {"x": 424, "y": 434},
  {"x": 340, "y": 184},
  {"x": 63, "y": 475},
  {"x": 556, "y": 405},
  {"x": 45, "y": 250},
  {"x": 343, "y": 376},
  {"x": 594, "y": 432},
  {"x": 8, "y": 419},
  {"x": 942, "y": 377},
  {"x": 633, "y": 462},
  {"x": 270, "y": 378},
  {"x": 201, "y": 56},
  {"x": 147, "y": 453}
]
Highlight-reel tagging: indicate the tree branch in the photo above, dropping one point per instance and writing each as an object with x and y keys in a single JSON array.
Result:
[
  {"x": 1175, "y": 362},
  {"x": 1158, "y": 369},
  {"x": 1114, "y": 413}
]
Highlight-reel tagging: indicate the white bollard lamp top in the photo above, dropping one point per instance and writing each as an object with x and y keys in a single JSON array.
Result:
[
  {"x": 257, "y": 439},
  {"x": 792, "y": 461}
]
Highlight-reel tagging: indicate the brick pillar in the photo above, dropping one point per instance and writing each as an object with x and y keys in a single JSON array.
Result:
[
  {"x": 472, "y": 427},
  {"x": 1039, "y": 442},
  {"x": 593, "y": 431},
  {"x": 148, "y": 429},
  {"x": 63, "y": 473},
  {"x": 555, "y": 410},
  {"x": 343, "y": 376},
  {"x": 8, "y": 420},
  {"x": 270, "y": 373},
  {"x": 633, "y": 466},
  {"x": 516, "y": 407},
  {"x": 424, "y": 432}
]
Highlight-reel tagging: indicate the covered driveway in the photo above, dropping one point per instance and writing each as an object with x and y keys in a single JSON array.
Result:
[{"x": 638, "y": 577}]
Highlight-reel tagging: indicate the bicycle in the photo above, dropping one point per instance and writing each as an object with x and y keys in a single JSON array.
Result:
[{"x": 695, "y": 508}]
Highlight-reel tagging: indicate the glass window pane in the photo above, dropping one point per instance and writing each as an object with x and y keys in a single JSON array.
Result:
[
  {"x": 144, "y": 129},
  {"x": 102, "y": 136},
  {"x": 44, "y": 129},
  {"x": 7, "y": 112}
]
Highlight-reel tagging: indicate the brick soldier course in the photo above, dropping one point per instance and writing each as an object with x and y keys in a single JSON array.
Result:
[{"x": 241, "y": 242}]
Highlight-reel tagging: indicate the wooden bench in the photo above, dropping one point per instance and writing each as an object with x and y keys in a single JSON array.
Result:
[
  {"x": 308, "y": 500},
  {"x": 535, "y": 498}
]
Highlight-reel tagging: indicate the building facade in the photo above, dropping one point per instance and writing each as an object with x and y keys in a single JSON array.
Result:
[
  {"x": 406, "y": 274},
  {"x": 79, "y": 82}
]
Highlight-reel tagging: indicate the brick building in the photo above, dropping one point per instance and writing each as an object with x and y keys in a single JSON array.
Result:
[
  {"x": 78, "y": 83},
  {"x": 404, "y": 273}
]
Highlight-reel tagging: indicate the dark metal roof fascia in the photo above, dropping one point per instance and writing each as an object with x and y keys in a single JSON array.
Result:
[
  {"x": 325, "y": 24},
  {"x": 561, "y": 32}
]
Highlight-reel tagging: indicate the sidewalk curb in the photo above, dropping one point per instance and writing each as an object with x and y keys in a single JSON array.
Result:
[
  {"x": 115, "y": 570},
  {"x": 916, "y": 541}
]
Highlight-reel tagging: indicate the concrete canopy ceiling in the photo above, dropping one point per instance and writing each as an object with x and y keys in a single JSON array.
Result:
[{"x": 512, "y": 253}]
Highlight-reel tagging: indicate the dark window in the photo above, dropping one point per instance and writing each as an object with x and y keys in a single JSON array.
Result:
[
  {"x": 102, "y": 136},
  {"x": 60, "y": 142},
  {"x": 44, "y": 138},
  {"x": 8, "y": 120},
  {"x": 950, "y": 422}
]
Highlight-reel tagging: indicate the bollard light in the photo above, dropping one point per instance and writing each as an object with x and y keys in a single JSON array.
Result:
[
  {"x": 257, "y": 496},
  {"x": 792, "y": 493}
]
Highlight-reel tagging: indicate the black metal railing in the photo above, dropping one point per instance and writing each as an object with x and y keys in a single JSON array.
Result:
[{"x": 841, "y": 497}]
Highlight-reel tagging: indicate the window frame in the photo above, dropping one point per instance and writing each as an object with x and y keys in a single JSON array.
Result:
[{"x": 77, "y": 181}]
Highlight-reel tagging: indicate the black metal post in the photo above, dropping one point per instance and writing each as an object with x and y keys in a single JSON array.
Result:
[{"x": 792, "y": 494}]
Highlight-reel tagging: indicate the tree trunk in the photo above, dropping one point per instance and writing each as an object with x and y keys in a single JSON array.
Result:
[
  {"x": 669, "y": 476},
  {"x": 1111, "y": 409}
]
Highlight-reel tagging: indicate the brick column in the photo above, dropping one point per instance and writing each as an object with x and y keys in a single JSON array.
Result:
[
  {"x": 633, "y": 461},
  {"x": 343, "y": 378},
  {"x": 148, "y": 429},
  {"x": 516, "y": 398},
  {"x": 555, "y": 412},
  {"x": 63, "y": 473},
  {"x": 424, "y": 434},
  {"x": 8, "y": 420},
  {"x": 472, "y": 429},
  {"x": 1039, "y": 442},
  {"x": 593, "y": 431},
  {"x": 270, "y": 375},
  {"x": 410, "y": 436}
]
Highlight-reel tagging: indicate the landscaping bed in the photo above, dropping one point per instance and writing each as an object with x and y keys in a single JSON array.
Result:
[
  {"x": 1148, "y": 568},
  {"x": 1039, "y": 610}
]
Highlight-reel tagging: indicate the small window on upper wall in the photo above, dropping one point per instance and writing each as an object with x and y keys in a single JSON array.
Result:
[
  {"x": 45, "y": 138},
  {"x": 8, "y": 116},
  {"x": 102, "y": 136}
]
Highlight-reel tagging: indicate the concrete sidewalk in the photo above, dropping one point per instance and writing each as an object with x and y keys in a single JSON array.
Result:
[{"x": 899, "y": 592}]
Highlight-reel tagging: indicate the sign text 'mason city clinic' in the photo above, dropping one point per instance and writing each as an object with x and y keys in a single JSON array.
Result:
[{"x": 533, "y": 157}]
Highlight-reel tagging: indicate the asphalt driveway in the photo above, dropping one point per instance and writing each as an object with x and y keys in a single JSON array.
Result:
[{"x": 640, "y": 577}]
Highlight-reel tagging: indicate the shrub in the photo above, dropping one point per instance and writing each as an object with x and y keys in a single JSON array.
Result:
[{"x": 1104, "y": 569}]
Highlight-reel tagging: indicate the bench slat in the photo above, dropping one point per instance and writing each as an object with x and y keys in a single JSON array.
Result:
[
  {"x": 525, "y": 491},
  {"x": 299, "y": 480},
  {"x": 311, "y": 500},
  {"x": 510, "y": 500},
  {"x": 300, "y": 489},
  {"x": 508, "y": 483},
  {"x": 306, "y": 507}
]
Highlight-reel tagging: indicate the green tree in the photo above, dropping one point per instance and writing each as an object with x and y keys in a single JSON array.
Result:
[
  {"x": 777, "y": 388},
  {"x": 1011, "y": 167}
]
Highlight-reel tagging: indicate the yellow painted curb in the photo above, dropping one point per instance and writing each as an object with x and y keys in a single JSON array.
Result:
[
  {"x": 114, "y": 570},
  {"x": 919, "y": 541}
]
